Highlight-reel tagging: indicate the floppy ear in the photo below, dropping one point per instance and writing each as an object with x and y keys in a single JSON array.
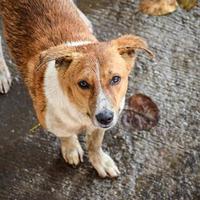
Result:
[
  {"x": 62, "y": 55},
  {"x": 127, "y": 46}
]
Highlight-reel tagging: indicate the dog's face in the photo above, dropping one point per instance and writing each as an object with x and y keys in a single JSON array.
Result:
[
  {"x": 97, "y": 84},
  {"x": 95, "y": 77}
]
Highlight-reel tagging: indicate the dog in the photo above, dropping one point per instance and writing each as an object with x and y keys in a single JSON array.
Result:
[{"x": 76, "y": 82}]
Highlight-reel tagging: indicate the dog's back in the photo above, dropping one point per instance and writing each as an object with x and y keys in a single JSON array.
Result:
[{"x": 31, "y": 26}]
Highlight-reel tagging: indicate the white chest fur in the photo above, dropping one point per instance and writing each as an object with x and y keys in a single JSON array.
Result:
[{"x": 62, "y": 117}]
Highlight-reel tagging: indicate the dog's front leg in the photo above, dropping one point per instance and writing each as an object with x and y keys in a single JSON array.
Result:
[
  {"x": 71, "y": 150},
  {"x": 102, "y": 162},
  {"x": 5, "y": 77}
]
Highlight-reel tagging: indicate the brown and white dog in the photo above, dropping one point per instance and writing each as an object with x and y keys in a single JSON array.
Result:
[{"x": 76, "y": 82}]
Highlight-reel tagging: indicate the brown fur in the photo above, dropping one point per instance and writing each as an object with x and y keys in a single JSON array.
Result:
[
  {"x": 36, "y": 32},
  {"x": 32, "y": 26}
]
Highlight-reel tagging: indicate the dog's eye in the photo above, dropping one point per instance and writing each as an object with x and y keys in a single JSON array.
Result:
[
  {"x": 115, "y": 80},
  {"x": 84, "y": 85}
]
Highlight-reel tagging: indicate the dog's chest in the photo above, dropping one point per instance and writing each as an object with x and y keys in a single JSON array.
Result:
[{"x": 64, "y": 122}]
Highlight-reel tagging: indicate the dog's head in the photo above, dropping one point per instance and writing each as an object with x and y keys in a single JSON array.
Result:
[{"x": 95, "y": 76}]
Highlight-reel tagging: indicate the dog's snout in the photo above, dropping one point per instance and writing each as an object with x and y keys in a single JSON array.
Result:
[{"x": 105, "y": 117}]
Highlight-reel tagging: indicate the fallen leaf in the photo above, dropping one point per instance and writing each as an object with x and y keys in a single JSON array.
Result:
[
  {"x": 187, "y": 4},
  {"x": 142, "y": 113},
  {"x": 158, "y": 7}
]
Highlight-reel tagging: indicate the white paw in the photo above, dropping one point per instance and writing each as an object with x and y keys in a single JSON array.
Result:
[
  {"x": 104, "y": 164},
  {"x": 5, "y": 79},
  {"x": 73, "y": 154}
]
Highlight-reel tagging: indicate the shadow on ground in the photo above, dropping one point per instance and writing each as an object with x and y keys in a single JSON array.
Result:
[{"x": 161, "y": 164}]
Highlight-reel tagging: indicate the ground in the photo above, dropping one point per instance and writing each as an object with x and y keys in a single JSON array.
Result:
[{"x": 163, "y": 163}]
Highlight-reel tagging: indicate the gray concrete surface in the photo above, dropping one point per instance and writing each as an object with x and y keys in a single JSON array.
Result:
[{"x": 163, "y": 163}]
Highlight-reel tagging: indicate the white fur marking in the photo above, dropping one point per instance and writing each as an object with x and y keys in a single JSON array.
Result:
[
  {"x": 62, "y": 117},
  {"x": 102, "y": 101},
  {"x": 77, "y": 43}
]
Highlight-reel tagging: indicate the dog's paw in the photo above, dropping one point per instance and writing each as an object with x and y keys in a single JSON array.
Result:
[
  {"x": 73, "y": 154},
  {"x": 5, "y": 79},
  {"x": 104, "y": 164}
]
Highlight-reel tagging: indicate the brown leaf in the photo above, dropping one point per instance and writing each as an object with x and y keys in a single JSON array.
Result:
[
  {"x": 158, "y": 7},
  {"x": 142, "y": 114},
  {"x": 187, "y": 4}
]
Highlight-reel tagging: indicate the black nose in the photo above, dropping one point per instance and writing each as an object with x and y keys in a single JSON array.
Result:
[{"x": 105, "y": 117}]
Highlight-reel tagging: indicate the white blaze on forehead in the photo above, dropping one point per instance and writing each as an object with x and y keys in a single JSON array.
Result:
[{"x": 102, "y": 102}]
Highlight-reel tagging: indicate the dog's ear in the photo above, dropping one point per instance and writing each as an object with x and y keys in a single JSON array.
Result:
[
  {"x": 62, "y": 55},
  {"x": 127, "y": 46},
  {"x": 64, "y": 62}
]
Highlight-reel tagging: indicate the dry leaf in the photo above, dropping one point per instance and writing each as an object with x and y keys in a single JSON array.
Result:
[
  {"x": 187, "y": 4},
  {"x": 158, "y": 7},
  {"x": 142, "y": 114}
]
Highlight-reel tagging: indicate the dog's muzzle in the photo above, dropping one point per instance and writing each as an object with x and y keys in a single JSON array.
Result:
[{"x": 105, "y": 118}]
